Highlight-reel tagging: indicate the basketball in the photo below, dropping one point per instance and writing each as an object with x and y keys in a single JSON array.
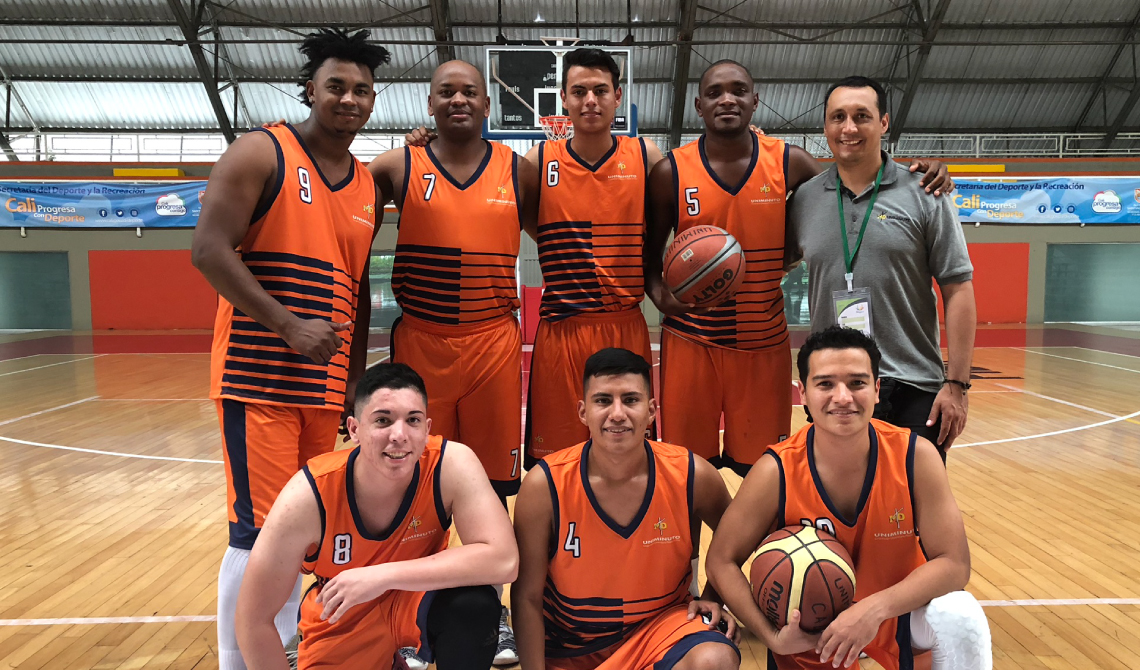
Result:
[
  {"x": 802, "y": 568},
  {"x": 704, "y": 266}
]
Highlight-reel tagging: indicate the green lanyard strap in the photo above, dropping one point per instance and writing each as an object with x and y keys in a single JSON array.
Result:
[{"x": 848, "y": 254}]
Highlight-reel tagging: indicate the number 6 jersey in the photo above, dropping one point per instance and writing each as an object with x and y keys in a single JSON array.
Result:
[{"x": 605, "y": 579}]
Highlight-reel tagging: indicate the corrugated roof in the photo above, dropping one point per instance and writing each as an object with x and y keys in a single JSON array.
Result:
[
  {"x": 992, "y": 108},
  {"x": 109, "y": 56},
  {"x": 82, "y": 10},
  {"x": 1012, "y": 12},
  {"x": 109, "y": 106},
  {"x": 1018, "y": 61},
  {"x": 838, "y": 11}
]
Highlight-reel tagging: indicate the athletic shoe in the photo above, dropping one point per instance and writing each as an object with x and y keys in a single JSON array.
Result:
[
  {"x": 506, "y": 653},
  {"x": 291, "y": 651},
  {"x": 410, "y": 661}
]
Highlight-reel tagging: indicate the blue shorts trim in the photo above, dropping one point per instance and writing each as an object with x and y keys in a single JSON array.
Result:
[{"x": 686, "y": 644}]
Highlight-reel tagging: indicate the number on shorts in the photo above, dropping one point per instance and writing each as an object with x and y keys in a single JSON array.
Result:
[
  {"x": 515, "y": 465},
  {"x": 694, "y": 204},
  {"x": 430, "y": 187},
  {"x": 552, "y": 174},
  {"x": 573, "y": 544},
  {"x": 822, "y": 523},
  {"x": 306, "y": 186},
  {"x": 342, "y": 549}
]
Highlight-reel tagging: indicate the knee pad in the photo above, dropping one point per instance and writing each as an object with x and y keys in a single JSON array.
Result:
[{"x": 956, "y": 631}]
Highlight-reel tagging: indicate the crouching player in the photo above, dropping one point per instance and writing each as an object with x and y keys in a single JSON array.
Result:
[
  {"x": 371, "y": 523},
  {"x": 607, "y": 532},
  {"x": 883, "y": 492}
]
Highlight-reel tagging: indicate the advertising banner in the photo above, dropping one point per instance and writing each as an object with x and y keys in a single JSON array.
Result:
[
  {"x": 1060, "y": 200},
  {"x": 100, "y": 204}
]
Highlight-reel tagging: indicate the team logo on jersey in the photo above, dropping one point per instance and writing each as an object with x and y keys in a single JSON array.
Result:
[
  {"x": 413, "y": 530},
  {"x": 623, "y": 175},
  {"x": 765, "y": 189},
  {"x": 501, "y": 197},
  {"x": 661, "y": 526},
  {"x": 897, "y": 518},
  {"x": 369, "y": 209},
  {"x": 416, "y": 523},
  {"x": 882, "y": 217}
]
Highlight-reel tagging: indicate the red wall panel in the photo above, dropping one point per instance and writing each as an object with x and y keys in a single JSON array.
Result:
[{"x": 149, "y": 290}]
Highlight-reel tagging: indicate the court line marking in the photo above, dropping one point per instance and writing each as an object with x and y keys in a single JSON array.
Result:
[
  {"x": 1079, "y": 360},
  {"x": 50, "y": 409},
  {"x": 50, "y": 365},
  {"x": 109, "y": 453},
  {"x": 206, "y": 618},
  {"x": 1126, "y": 417},
  {"x": 88, "y": 621},
  {"x": 1059, "y": 401},
  {"x": 97, "y": 399},
  {"x": 1101, "y": 351},
  {"x": 1060, "y": 602}
]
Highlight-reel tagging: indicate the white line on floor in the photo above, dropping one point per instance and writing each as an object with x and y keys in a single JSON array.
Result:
[
  {"x": 1059, "y": 401},
  {"x": 1114, "y": 353},
  {"x": 1079, "y": 360},
  {"x": 50, "y": 365},
  {"x": 152, "y": 399},
  {"x": 1050, "y": 434},
  {"x": 376, "y": 349},
  {"x": 1060, "y": 602},
  {"x": 108, "y": 453},
  {"x": 50, "y": 409},
  {"x": 88, "y": 621}
]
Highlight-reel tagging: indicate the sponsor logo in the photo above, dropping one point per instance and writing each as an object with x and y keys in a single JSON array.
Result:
[
  {"x": 765, "y": 189},
  {"x": 897, "y": 518},
  {"x": 170, "y": 205},
  {"x": 1137, "y": 195},
  {"x": 414, "y": 524},
  {"x": 623, "y": 175},
  {"x": 621, "y": 167},
  {"x": 1106, "y": 202},
  {"x": 59, "y": 214},
  {"x": 882, "y": 217},
  {"x": 716, "y": 286},
  {"x": 202, "y": 196},
  {"x": 369, "y": 209},
  {"x": 660, "y": 526},
  {"x": 993, "y": 210},
  {"x": 501, "y": 199}
]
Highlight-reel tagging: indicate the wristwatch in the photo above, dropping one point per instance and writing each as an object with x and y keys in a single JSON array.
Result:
[{"x": 965, "y": 386}]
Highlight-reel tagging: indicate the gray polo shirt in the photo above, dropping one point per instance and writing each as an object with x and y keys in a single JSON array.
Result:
[{"x": 911, "y": 238}]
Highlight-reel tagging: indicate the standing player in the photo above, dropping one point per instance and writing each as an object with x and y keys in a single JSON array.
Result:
[
  {"x": 462, "y": 202},
  {"x": 606, "y": 531},
  {"x": 735, "y": 358},
  {"x": 590, "y": 234},
  {"x": 291, "y": 335},
  {"x": 878, "y": 489},
  {"x": 372, "y": 524}
]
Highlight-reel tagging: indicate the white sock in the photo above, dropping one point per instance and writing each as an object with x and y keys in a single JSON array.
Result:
[
  {"x": 229, "y": 585},
  {"x": 955, "y": 630},
  {"x": 290, "y": 615}
]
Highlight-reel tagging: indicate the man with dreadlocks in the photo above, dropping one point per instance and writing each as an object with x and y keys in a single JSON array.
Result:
[{"x": 290, "y": 338}]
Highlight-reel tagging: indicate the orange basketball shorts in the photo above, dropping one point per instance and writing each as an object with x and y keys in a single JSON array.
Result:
[
  {"x": 752, "y": 389},
  {"x": 560, "y": 352},
  {"x": 265, "y": 445},
  {"x": 658, "y": 643},
  {"x": 364, "y": 640},
  {"x": 473, "y": 376}
]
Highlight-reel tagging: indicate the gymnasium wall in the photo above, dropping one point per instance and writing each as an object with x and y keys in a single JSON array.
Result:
[{"x": 118, "y": 280}]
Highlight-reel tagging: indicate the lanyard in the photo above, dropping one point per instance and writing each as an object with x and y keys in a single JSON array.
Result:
[{"x": 848, "y": 255}]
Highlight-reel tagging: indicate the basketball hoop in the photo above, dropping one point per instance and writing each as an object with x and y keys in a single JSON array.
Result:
[{"x": 557, "y": 127}]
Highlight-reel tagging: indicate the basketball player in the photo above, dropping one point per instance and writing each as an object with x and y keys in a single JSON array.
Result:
[
  {"x": 878, "y": 489},
  {"x": 590, "y": 234},
  {"x": 371, "y": 524},
  {"x": 606, "y": 531},
  {"x": 462, "y": 201},
  {"x": 291, "y": 334},
  {"x": 735, "y": 358}
]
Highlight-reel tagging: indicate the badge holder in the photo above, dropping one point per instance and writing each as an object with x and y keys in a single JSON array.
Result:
[{"x": 853, "y": 309}]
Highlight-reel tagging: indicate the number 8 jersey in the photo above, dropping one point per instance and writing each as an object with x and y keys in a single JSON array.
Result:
[{"x": 604, "y": 579}]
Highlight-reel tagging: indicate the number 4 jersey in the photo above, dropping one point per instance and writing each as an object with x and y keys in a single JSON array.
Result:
[{"x": 605, "y": 579}]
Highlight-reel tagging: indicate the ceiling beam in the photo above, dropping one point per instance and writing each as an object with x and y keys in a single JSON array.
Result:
[
  {"x": 8, "y": 150},
  {"x": 686, "y": 23},
  {"x": 933, "y": 24},
  {"x": 441, "y": 26},
  {"x": 1128, "y": 31},
  {"x": 190, "y": 32},
  {"x": 1123, "y": 114}
]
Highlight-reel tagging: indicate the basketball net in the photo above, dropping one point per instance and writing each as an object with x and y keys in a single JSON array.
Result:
[{"x": 557, "y": 127}]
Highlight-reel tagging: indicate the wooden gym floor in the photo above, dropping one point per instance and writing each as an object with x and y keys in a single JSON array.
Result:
[{"x": 113, "y": 499}]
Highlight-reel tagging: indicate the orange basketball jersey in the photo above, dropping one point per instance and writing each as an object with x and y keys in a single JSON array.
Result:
[
  {"x": 591, "y": 228},
  {"x": 458, "y": 243},
  {"x": 882, "y": 538},
  {"x": 753, "y": 211},
  {"x": 605, "y": 579},
  {"x": 419, "y": 529},
  {"x": 307, "y": 247}
]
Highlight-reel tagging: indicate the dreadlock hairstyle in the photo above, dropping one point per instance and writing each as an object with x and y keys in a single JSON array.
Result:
[{"x": 333, "y": 43}]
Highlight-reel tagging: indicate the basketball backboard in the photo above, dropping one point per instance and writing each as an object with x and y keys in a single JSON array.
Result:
[{"x": 525, "y": 82}]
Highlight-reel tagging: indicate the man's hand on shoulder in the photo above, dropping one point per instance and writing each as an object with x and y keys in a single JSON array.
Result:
[
  {"x": 936, "y": 178},
  {"x": 420, "y": 137}
]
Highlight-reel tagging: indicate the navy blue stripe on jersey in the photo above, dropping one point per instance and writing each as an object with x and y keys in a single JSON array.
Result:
[
  {"x": 289, "y": 357},
  {"x": 275, "y": 190},
  {"x": 268, "y": 369},
  {"x": 301, "y": 289},
  {"x": 279, "y": 257},
  {"x": 280, "y": 398},
  {"x": 302, "y": 303},
  {"x": 275, "y": 384},
  {"x": 285, "y": 272},
  {"x": 312, "y": 558}
]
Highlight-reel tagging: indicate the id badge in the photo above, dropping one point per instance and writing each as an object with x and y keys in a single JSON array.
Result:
[{"x": 853, "y": 309}]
